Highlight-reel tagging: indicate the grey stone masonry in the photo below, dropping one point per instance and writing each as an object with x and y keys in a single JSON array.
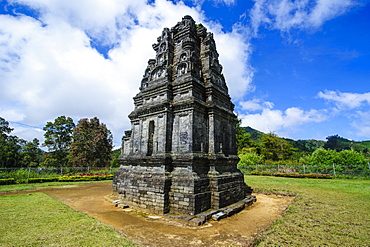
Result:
[{"x": 180, "y": 155}]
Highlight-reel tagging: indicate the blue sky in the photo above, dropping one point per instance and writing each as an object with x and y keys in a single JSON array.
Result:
[{"x": 298, "y": 68}]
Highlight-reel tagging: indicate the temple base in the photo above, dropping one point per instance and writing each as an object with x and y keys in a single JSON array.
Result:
[{"x": 184, "y": 185}]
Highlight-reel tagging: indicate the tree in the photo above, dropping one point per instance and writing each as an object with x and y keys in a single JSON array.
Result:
[
  {"x": 31, "y": 153},
  {"x": 10, "y": 146},
  {"x": 243, "y": 139},
  {"x": 275, "y": 148},
  {"x": 350, "y": 160},
  {"x": 58, "y": 137},
  {"x": 248, "y": 160},
  {"x": 92, "y": 144},
  {"x": 322, "y": 159},
  {"x": 4, "y": 128},
  {"x": 48, "y": 160},
  {"x": 115, "y": 155},
  {"x": 308, "y": 145},
  {"x": 11, "y": 152},
  {"x": 335, "y": 142}
]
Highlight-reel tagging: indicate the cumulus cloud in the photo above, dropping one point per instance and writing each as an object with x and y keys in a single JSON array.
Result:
[
  {"x": 362, "y": 123},
  {"x": 345, "y": 101},
  {"x": 268, "y": 119},
  {"x": 299, "y": 14},
  {"x": 272, "y": 120},
  {"x": 226, "y": 2},
  {"x": 234, "y": 47},
  {"x": 255, "y": 105},
  {"x": 50, "y": 63}
]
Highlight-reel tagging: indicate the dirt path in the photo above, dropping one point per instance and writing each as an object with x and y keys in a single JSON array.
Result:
[{"x": 238, "y": 230}]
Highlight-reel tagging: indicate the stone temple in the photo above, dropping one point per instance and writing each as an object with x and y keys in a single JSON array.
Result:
[{"x": 180, "y": 155}]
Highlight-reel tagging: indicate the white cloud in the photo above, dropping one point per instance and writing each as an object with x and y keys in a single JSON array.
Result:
[
  {"x": 362, "y": 124},
  {"x": 49, "y": 68},
  {"x": 255, "y": 105},
  {"x": 226, "y": 2},
  {"x": 235, "y": 54},
  {"x": 270, "y": 120},
  {"x": 345, "y": 101},
  {"x": 301, "y": 14},
  {"x": 273, "y": 120},
  {"x": 11, "y": 114},
  {"x": 277, "y": 120}
]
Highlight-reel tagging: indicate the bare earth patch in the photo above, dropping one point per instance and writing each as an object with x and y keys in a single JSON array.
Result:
[{"x": 237, "y": 230}]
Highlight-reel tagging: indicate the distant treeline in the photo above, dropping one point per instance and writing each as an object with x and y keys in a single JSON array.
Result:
[
  {"x": 255, "y": 147},
  {"x": 334, "y": 142},
  {"x": 85, "y": 144}
]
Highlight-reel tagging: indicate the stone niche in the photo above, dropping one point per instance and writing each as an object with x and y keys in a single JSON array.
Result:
[{"x": 180, "y": 155}]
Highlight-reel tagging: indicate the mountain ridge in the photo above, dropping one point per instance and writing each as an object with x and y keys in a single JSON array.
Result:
[{"x": 335, "y": 142}]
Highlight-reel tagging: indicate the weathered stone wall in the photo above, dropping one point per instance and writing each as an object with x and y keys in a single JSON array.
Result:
[
  {"x": 145, "y": 188},
  {"x": 189, "y": 193}
]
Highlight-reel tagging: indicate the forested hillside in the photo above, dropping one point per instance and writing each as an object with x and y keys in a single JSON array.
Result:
[
  {"x": 268, "y": 154},
  {"x": 334, "y": 142}
]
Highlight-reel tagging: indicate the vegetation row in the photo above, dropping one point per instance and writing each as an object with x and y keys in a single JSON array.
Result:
[
  {"x": 89, "y": 144},
  {"x": 269, "y": 153},
  {"x": 291, "y": 175},
  {"x": 67, "y": 178}
]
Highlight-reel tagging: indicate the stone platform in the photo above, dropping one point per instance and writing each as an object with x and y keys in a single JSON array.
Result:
[{"x": 202, "y": 218}]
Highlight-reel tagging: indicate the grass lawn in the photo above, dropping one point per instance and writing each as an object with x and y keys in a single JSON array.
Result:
[
  {"x": 326, "y": 212},
  {"x": 37, "y": 219},
  {"x": 19, "y": 187}
]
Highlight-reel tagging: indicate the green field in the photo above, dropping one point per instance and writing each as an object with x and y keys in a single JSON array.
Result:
[
  {"x": 35, "y": 186},
  {"x": 37, "y": 219},
  {"x": 333, "y": 212}
]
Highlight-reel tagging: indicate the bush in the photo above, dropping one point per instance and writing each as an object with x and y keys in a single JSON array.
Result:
[
  {"x": 248, "y": 160},
  {"x": 322, "y": 159},
  {"x": 6, "y": 181},
  {"x": 21, "y": 181},
  {"x": 86, "y": 177},
  {"x": 42, "y": 180},
  {"x": 68, "y": 178},
  {"x": 260, "y": 173}
]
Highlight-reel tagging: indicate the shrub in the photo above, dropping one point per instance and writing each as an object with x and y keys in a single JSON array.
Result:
[
  {"x": 260, "y": 173},
  {"x": 86, "y": 177},
  {"x": 248, "y": 160},
  {"x": 42, "y": 180},
  {"x": 6, "y": 181},
  {"x": 68, "y": 178}
]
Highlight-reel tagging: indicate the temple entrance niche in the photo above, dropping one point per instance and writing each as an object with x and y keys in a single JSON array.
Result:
[
  {"x": 150, "y": 138},
  {"x": 180, "y": 155}
]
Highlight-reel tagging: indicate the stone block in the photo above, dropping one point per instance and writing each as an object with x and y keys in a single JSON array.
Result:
[{"x": 219, "y": 215}]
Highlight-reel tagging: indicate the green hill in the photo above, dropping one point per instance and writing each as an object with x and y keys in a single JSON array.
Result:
[
  {"x": 334, "y": 142},
  {"x": 256, "y": 135}
]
